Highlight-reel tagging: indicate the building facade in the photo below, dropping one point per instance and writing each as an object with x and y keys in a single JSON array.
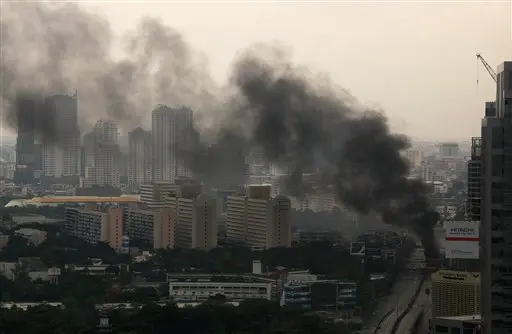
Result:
[
  {"x": 26, "y": 149},
  {"x": 61, "y": 155},
  {"x": 199, "y": 288},
  {"x": 154, "y": 194},
  {"x": 258, "y": 220},
  {"x": 106, "y": 156},
  {"x": 196, "y": 225},
  {"x": 455, "y": 293},
  {"x": 496, "y": 212},
  {"x": 172, "y": 130},
  {"x": 151, "y": 227},
  {"x": 95, "y": 224},
  {"x": 139, "y": 157},
  {"x": 475, "y": 180}
]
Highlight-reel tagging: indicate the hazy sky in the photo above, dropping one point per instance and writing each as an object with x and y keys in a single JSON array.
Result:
[{"x": 414, "y": 60}]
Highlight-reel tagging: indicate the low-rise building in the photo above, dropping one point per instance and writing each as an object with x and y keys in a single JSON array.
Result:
[
  {"x": 36, "y": 237},
  {"x": 333, "y": 237},
  {"x": 201, "y": 287},
  {"x": 461, "y": 324}
]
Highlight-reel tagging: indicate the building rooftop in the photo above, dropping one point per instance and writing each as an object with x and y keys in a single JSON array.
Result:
[
  {"x": 466, "y": 318},
  {"x": 55, "y": 200},
  {"x": 84, "y": 199},
  {"x": 221, "y": 278}
]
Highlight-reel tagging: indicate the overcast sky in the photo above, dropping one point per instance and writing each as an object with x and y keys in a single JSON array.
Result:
[{"x": 416, "y": 61}]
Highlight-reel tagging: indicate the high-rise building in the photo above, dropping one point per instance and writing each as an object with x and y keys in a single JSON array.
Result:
[
  {"x": 428, "y": 172},
  {"x": 196, "y": 214},
  {"x": 414, "y": 157},
  {"x": 496, "y": 212},
  {"x": 105, "y": 156},
  {"x": 154, "y": 194},
  {"x": 139, "y": 157},
  {"x": 151, "y": 227},
  {"x": 172, "y": 133},
  {"x": 96, "y": 224},
  {"x": 26, "y": 155},
  {"x": 257, "y": 220},
  {"x": 455, "y": 293},
  {"x": 61, "y": 156},
  {"x": 474, "y": 180}
]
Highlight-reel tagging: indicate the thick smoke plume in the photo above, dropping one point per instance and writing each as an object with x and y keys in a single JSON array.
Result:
[
  {"x": 51, "y": 49},
  {"x": 301, "y": 121}
]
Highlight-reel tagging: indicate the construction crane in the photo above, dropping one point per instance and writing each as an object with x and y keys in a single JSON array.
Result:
[{"x": 487, "y": 67}]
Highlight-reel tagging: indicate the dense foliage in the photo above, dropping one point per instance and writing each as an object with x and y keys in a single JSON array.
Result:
[{"x": 250, "y": 317}]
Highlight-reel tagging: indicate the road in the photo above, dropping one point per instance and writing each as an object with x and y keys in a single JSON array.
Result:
[
  {"x": 422, "y": 304},
  {"x": 402, "y": 292}
]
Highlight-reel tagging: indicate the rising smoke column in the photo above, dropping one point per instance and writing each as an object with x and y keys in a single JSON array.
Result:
[
  {"x": 49, "y": 49},
  {"x": 300, "y": 122}
]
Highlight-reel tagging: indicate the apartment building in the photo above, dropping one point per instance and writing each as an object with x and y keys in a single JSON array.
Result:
[
  {"x": 196, "y": 214},
  {"x": 414, "y": 157},
  {"x": 95, "y": 223},
  {"x": 61, "y": 156},
  {"x": 139, "y": 157},
  {"x": 152, "y": 227},
  {"x": 171, "y": 131},
  {"x": 258, "y": 220},
  {"x": 155, "y": 194}
]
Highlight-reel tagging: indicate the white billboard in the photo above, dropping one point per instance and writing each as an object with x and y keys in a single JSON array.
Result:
[
  {"x": 462, "y": 231},
  {"x": 462, "y": 240},
  {"x": 462, "y": 250}
]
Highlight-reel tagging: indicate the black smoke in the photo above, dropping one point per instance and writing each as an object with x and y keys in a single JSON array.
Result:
[
  {"x": 56, "y": 48},
  {"x": 302, "y": 125},
  {"x": 30, "y": 112},
  {"x": 301, "y": 121}
]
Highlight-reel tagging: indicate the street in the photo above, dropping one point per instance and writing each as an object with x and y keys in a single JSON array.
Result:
[
  {"x": 402, "y": 292},
  {"x": 421, "y": 304}
]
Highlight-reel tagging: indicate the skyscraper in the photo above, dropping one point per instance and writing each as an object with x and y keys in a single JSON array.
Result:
[
  {"x": 26, "y": 155},
  {"x": 496, "y": 212},
  {"x": 139, "y": 157},
  {"x": 474, "y": 180},
  {"x": 171, "y": 131},
  {"x": 105, "y": 156},
  {"x": 62, "y": 156}
]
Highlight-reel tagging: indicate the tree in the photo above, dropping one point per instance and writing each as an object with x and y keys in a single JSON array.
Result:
[
  {"x": 17, "y": 247},
  {"x": 251, "y": 317}
]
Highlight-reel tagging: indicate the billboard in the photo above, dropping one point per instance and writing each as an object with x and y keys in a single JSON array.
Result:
[
  {"x": 462, "y": 240},
  {"x": 462, "y": 231}
]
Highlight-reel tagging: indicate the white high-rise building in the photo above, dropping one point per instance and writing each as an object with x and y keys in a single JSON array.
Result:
[
  {"x": 139, "y": 157},
  {"x": 61, "y": 156},
  {"x": 171, "y": 132},
  {"x": 106, "y": 154}
]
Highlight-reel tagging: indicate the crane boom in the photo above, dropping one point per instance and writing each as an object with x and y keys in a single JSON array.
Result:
[{"x": 487, "y": 67}]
